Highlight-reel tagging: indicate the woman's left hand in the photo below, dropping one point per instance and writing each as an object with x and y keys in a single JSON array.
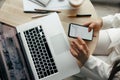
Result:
[{"x": 95, "y": 25}]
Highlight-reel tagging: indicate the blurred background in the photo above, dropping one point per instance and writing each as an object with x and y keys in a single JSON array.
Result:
[{"x": 106, "y": 7}]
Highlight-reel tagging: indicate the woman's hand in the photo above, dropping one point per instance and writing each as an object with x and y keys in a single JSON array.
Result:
[
  {"x": 96, "y": 25},
  {"x": 80, "y": 50}
]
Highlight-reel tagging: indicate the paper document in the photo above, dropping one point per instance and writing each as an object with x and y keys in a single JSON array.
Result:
[{"x": 53, "y": 5}]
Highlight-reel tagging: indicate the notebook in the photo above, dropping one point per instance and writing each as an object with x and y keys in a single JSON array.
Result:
[
  {"x": 46, "y": 49},
  {"x": 43, "y": 3},
  {"x": 30, "y": 5}
]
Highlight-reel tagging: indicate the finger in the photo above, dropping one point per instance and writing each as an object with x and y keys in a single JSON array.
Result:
[
  {"x": 81, "y": 49},
  {"x": 79, "y": 39},
  {"x": 91, "y": 26},
  {"x": 87, "y": 24},
  {"x": 71, "y": 43},
  {"x": 84, "y": 44},
  {"x": 75, "y": 48},
  {"x": 82, "y": 52},
  {"x": 77, "y": 45},
  {"x": 76, "y": 53},
  {"x": 73, "y": 52},
  {"x": 94, "y": 35}
]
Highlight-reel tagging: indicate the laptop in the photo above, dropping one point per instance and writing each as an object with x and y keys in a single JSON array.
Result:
[{"x": 46, "y": 49}]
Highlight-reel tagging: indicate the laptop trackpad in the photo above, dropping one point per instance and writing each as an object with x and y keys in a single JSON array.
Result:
[{"x": 59, "y": 44}]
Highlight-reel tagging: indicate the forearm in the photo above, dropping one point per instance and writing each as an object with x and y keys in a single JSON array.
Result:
[
  {"x": 111, "y": 21},
  {"x": 99, "y": 67}
]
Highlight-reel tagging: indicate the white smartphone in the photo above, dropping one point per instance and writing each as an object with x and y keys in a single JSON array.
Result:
[{"x": 76, "y": 30}]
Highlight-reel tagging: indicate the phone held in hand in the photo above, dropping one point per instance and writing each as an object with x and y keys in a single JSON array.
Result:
[{"x": 76, "y": 30}]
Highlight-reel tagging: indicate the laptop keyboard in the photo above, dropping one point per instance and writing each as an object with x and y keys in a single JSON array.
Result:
[{"x": 40, "y": 52}]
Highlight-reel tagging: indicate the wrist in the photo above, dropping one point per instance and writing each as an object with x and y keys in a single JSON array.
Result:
[
  {"x": 100, "y": 21},
  {"x": 81, "y": 63}
]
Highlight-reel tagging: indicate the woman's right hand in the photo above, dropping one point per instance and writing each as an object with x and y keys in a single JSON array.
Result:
[{"x": 80, "y": 50}]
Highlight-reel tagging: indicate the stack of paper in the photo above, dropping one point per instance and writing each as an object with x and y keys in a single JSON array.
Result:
[
  {"x": 53, "y": 5},
  {"x": 43, "y": 3}
]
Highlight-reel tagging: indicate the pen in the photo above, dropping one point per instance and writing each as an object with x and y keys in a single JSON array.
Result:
[
  {"x": 39, "y": 15},
  {"x": 80, "y": 15},
  {"x": 41, "y": 12},
  {"x": 45, "y": 10}
]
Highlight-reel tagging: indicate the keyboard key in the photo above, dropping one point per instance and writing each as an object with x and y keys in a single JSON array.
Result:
[{"x": 40, "y": 52}]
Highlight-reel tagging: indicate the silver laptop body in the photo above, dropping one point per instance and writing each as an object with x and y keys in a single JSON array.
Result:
[{"x": 47, "y": 49}]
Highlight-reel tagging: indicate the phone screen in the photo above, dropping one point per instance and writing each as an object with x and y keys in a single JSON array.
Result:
[{"x": 76, "y": 30}]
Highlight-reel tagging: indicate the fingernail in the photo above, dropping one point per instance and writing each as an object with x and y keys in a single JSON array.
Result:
[{"x": 89, "y": 30}]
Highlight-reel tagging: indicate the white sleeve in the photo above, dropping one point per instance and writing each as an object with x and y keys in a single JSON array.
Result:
[
  {"x": 111, "y": 20},
  {"x": 98, "y": 67}
]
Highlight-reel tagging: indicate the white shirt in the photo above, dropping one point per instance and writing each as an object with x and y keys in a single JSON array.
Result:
[{"x": 102, "y": 68}]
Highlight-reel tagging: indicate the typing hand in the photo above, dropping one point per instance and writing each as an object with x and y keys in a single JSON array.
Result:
[
  {"x": 96, "y": 25},
  {"x": 80, "y": 50}
]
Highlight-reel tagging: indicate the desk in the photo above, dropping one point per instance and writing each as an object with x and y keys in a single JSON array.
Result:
[{"x": 12, "y": 13}]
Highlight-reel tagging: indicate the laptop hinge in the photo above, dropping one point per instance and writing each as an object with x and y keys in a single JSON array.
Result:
[{"x": 29, "y": 70}]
